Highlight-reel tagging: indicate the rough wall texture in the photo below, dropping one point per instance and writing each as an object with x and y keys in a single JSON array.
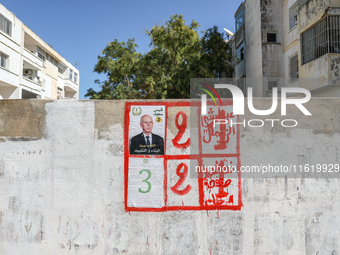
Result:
[
  {"x": 272, "y": 53},
  {"x": 253, "y": 56},
  {"x": 62, "y": 188},
  {"x": 311, "y": 12},
  {"x": 325, "y": 73}
]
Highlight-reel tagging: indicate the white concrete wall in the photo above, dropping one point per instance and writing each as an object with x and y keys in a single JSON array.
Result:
[
  {"x": 62, "y": 186},
  {"x": 317, "y": 73},
  {"x": 48, "y": 87},
  {"x": 9, "y": 92},
  {"x": 60, "y": 82},
  {"x": 13, "y": 59},
  {"x": 272, "y": 53},
  {"x": 290, "y": 44},
  {"x": 253, "y": 44}
]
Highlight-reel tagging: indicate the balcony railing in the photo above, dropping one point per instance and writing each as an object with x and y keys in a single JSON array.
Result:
[
  {"x": 34, "y": 79},
  {"x": 33, "y": 58},
  {"x": 71, "y": 84},
  {"x": 321, "y": 39}
]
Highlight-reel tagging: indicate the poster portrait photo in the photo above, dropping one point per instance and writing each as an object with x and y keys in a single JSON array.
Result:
[{"x": 147, "y": 129}]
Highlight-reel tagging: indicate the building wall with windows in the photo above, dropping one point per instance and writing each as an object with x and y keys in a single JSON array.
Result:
[
  {"x": 290, "y": 43},
  {"x": 29, "y": 67}
]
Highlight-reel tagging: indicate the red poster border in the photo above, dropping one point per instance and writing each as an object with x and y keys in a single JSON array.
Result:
[{"x": 176, "y": 157}]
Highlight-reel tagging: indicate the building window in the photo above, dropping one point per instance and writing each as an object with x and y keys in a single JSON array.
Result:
[
  {"x": 240, "y": 54},
  {"x": 75, "y": 77},
  {"x": 293, "y": 16},
  {"x": 41, "y": 56},
  {"x": 239, "y": 19},
  {"x": 52, "y": 60},
  {"x": 3, "y": 60},
  {"x": 5, "y": 25},
  {"x": 294, "y": 68},
  {"x": 271, "y": 37},
  {"x": 28, "y": 95},
  {"x": 239, "y": 36},
  {"x": 334, "y": 34},
  {"x": 273, "y": 84},
  {"x": 71, "y": 74},
  {"x": 322, "y": 38}
]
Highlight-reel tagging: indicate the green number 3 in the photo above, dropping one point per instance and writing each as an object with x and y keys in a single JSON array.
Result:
[{"x": 146, "y": 180}]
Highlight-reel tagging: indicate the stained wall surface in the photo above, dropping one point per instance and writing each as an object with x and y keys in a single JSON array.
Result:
[{"x": 62, "y": 185}]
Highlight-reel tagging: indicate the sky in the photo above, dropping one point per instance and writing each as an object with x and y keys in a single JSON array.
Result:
[{"x": 80, "y": 30}]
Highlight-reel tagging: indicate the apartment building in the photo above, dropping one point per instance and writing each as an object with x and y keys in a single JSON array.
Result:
[
  {"x": 287, "y": 43},
  {"x": 29, "y": 67}
]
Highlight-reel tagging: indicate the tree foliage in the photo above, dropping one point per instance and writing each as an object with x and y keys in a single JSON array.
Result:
[
  {"x": 216, "y": 54},
  {"x": 177, "y": 54}
]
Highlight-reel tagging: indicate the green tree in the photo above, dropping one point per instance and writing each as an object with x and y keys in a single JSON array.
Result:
[
  {"x": 216, "y": 54},
  {"x": 177, "y": 54},
  {"x": 120, "y": 62},
  {"x": 179, "y": 44}
]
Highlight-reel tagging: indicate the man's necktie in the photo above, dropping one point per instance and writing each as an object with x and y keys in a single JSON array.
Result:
[{"x": 148, "y": 143}]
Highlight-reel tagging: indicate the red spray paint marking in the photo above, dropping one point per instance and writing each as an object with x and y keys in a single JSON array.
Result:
[
  {"x": 217, "y": 198},
  {"x": 165, "y": 180},
  {"x": 182, "y": 178},
  {"x": 147, "y": 241},
  {"x": 223, "y": 135},
  {"x": 199, "y": 157},
  {"x": 126, "y": 152},
  {"x": 200, "y": 162},
  {"x": 181, "y": 130}
]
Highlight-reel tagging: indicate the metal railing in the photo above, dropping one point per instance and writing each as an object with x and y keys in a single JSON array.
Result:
[
  {"x": 322, "y": 38},
  {"x": 34, "y": 79},
  {"x": 239, "y": 37}
]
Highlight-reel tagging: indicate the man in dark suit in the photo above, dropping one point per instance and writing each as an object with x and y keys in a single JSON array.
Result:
[{"x": 146, "y": 142}]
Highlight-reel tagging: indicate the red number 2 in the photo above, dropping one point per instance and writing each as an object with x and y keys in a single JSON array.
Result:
[
  {"x": 182, "y": 176},
  {"x": 181, "y": 130}
]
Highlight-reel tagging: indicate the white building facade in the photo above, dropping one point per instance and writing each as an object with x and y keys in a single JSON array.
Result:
[
  {"x": 29, "y": 67},
  {"x": 288, "y": 43}
]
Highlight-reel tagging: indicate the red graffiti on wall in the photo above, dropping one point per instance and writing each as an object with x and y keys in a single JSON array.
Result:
[
  {"x": 224, "y": 132},
  {"x": 181, "y": 130},
  {"x": 183, "y": 176},
  {"x": 216, "y": 191}
]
